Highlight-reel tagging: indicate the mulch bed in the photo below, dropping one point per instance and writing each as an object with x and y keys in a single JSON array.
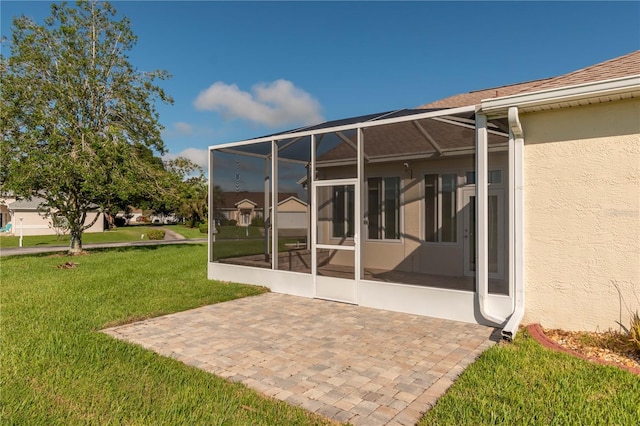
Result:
[{"x": 573, "y": 343}]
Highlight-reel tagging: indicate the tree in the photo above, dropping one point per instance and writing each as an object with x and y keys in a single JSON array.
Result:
[
  {"x": 78, "y": 121},
  {"x": 192, "y": 196}
]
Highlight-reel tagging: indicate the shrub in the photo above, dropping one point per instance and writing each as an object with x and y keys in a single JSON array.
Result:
[
  {"x": 204, "y": 227},
  {"x": 224, "y": 222},
  {"x": 257, "y": 221},
  {"x": 632, "y": 334},
  {"x": 233, "y": 222},
  {"x": 119, "y": 222},
  {"x": 156, "y": 234}
]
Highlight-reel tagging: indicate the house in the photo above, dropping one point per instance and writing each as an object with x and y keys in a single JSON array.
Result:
[
  {"x": 245, "y": 206},
  {"x": 507, "y": 205},
  {"x": 26, "y": 218}
]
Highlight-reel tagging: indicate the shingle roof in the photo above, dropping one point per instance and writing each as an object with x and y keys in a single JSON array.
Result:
[
  {"x": 622, "y": 66},
  {"x": 474, "y": 98},
  {"x": 32, "y": 204}
]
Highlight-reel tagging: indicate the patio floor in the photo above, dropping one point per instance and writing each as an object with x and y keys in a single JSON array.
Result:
[{"x": 345, "y": 362}]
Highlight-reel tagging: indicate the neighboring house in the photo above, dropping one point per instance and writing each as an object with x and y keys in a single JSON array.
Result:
[
  {"x": 133, "y": 216},
  {"x": 511, "y": 204},
  {"x": 293, "y": 218},
  {"x": 245, "y": 206},
  {"x": 25, "y": 217},
  {"x": 5, "y": 216}
]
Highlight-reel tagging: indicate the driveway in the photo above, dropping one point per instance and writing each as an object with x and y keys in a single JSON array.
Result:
[{"x": 345, "y": 362}]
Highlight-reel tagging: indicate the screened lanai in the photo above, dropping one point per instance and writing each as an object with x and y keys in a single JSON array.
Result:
[{"x": 388, "y": 214}]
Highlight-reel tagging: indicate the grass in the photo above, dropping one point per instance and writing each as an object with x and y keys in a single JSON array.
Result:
[
  {"x": 223, "y": 249},
  {"x": 57, "y": 368},
  {"x": 129, "y": 233},
  {"x": 124, "y": 234},
  {"x": 239, "y": 232},
  {"x": 524, "y": 383},
  {"x": 188, "y": 233}
]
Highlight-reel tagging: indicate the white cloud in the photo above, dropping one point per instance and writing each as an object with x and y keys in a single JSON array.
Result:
[
  {"x": 183, "y": 128},
  {"x": 198, "y": 156},
  {"x": 272, "y": 104}
]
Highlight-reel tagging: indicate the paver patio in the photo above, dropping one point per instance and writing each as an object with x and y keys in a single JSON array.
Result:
[{"x": 345, "y": 362}]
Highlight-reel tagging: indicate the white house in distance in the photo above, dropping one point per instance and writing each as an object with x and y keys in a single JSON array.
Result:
[
  {"x": 513, "y": 204},
  {"x": 32, "y": 223}
]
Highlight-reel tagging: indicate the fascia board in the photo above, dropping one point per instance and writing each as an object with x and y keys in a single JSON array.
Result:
[{"x": 561, "y": 94}]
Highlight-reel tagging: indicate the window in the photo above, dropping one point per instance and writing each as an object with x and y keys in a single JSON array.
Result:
[
  {"x": 383, "y": 208},
  {"x": 343, "y": 205},
  {"x": 441, "y": 208}
]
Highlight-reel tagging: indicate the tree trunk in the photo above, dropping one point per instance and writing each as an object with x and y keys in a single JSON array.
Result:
[
  {"x": 75, "y": 242},
  {"x": 110, "y": 220}
]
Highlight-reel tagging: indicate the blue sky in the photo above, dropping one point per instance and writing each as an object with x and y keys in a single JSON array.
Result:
[{"x": 244, "y": 69}]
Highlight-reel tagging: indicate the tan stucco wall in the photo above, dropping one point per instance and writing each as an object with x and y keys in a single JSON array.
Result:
[{"x": 582, "y": 215}]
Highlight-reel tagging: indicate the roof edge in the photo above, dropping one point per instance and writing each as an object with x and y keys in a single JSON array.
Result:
[{"x": 561, "y": 94}]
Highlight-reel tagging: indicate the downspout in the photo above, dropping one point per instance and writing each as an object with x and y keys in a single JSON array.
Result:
[
  {"x": 482, "y": 228},
  {"x": 515, "y": 129}
]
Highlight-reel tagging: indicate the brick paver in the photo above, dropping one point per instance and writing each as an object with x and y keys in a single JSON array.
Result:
[{"x": 345, "y": 362}]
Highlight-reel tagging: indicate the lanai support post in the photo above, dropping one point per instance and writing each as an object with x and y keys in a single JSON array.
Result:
[
  {"x": 266, "y": 212},
  {"x": 274, "y": 204},
  {"x": 309, "y": 207},
  {"x": 359, "y": 210},
  {"x": 314, "y": 212},
  {"x": 211, "y": 213}
]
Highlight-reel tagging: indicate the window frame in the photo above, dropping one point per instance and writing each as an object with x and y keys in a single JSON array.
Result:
[
  {"x": 346, "y": 213},
  {"x": 382, "y": 210},
  {"x": 439, "y": 212}
]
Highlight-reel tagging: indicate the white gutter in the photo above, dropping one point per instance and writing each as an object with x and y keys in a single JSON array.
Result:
[{"x": 517, "y": 168}]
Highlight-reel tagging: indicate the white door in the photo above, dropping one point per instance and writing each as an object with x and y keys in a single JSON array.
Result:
[
  {"x": 335, "y": 266},
  {"x": 496, "y": 224}
]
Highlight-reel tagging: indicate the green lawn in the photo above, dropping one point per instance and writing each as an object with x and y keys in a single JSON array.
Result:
[
  {"x": 223, "y": 249},
  {"x": 123, "y": 234},
  {"x": 129, "y": 233},
  {"x": 185, "y": 231},
  {"x": 239, "y": 232},
  {"x": 57, "y": 368},
  {"x": 524, "y": 383}
]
